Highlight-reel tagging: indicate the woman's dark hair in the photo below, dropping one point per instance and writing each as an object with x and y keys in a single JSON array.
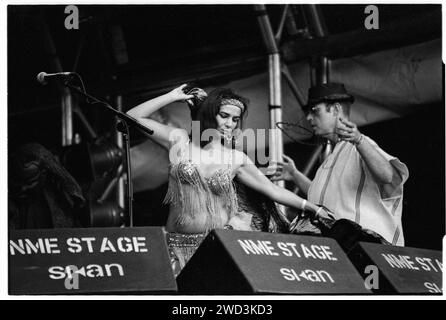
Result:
[{"x": 208, "y": 109}]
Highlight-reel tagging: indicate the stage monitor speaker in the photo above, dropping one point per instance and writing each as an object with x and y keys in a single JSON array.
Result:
[
  {"x": 399, "y": 270},
  {"x": 232, "y": 262},
  {"x": 90, "y": 261}
]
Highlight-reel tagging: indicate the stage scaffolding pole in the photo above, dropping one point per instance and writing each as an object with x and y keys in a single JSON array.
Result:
[
  {"x": 66, "y": 96},
  {"x": 320, "y": 71},
  {"x": 276, "y": 67},
  {"x": 275, "y": 85},
  {"x": 119, "y": 142}
]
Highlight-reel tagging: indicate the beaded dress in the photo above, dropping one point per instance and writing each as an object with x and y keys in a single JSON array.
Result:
[{"x": 193, "y": 193}]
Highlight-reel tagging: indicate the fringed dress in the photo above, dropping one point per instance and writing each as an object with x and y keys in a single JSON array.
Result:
[{"x": 197, "y": 197}]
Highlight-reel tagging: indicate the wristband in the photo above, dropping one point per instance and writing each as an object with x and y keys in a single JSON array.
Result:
[{"x": 303, "y": 205}]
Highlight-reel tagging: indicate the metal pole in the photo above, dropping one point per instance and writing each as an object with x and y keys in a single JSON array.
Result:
[
  {"x": 275, "y": 105},
  {"x": 266, "y": 29},
  {"x": 283, "y": 18},
  {"x": 324, "y": 64},
  {"x": 316, "y": 19},
  {"x": 313, "y": 160},
  {"x": 67, "y": 117},
  {"x": 119, "y": 142},
  {"x": 275, "y": 88},
  {"x": 85, "y": 123},
  {"x": 293, "y": 86},
  {"x": 315, "y": 156},
  {"x": 66, "y": 97},
  {"x": 319, "y": 29},
  {"x": 320, "y": 71}
]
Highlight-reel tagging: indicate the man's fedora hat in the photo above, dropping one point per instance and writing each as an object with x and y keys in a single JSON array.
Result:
[{"x": 328, "y": 92}]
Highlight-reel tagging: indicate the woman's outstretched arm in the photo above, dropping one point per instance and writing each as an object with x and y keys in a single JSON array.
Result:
[
  {"x": 251, "y": 176},
  {"x": 161, "y": 132}
]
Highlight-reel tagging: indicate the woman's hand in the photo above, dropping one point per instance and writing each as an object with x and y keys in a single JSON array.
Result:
[
  {"x": 285, "y": 170},
  {"x": 324, "y": 213},
  {"x": 313, "y": 221},
  {"x": 177, "y": 94},
  {"x": 317, "y": 214}
]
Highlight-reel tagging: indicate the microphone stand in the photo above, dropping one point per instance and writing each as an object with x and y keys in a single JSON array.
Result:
[{"x": 123, "y": 126}]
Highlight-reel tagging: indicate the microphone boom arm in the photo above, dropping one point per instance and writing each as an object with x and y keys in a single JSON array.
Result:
[{"x": 121, "y": 115}]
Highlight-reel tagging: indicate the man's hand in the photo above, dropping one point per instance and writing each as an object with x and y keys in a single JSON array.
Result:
[
  {"x": 348, "y": 131},
  {"x": 285, "y": 170}
]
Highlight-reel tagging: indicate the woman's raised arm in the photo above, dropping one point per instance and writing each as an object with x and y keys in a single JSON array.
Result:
[{"x": 161, "y": 132}]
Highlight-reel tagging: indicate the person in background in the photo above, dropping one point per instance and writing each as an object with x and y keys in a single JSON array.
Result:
[
  {"x": 42, "y": 194},
  {"x": 358, "y": 181}
]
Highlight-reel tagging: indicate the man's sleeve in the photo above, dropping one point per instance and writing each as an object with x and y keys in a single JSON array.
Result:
[{"x": 401, "y": 174}]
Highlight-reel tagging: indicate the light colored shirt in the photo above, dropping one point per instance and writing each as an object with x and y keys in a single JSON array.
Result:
[{"x": 345, "y": 185}]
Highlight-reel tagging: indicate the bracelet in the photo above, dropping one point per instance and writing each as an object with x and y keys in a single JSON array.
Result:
[
  {"x": 357, "y": 143},
  {"x": 303, "y": 205},
  {"x": 228, "y": 227},
  {"x": 318, "y": 211}
]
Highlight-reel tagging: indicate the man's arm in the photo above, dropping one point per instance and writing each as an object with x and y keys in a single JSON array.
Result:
[
  {"x": 302, "y": 181},
  {"x": 380, "y": 168}
]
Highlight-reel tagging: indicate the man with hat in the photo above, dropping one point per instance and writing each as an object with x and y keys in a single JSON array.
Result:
[{"x": 358, "y": 180}]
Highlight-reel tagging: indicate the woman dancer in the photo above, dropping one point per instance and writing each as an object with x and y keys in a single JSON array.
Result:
[{"x": 201, "y": 192}]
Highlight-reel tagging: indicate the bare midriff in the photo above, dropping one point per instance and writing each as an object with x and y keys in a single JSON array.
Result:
[{"x": 196, "y": 223}]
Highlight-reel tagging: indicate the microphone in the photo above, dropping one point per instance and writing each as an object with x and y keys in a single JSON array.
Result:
[{"x": 42, "y": 77}]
